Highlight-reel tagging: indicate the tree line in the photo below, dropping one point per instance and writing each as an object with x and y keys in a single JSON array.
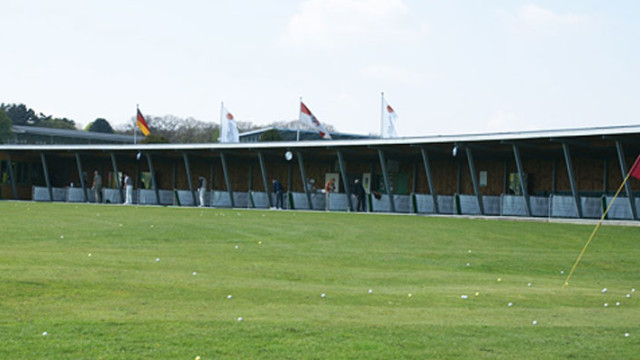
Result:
[{"x": 164, "y": 129}]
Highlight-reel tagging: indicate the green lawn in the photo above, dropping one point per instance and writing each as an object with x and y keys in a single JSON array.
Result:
[{"x": 117, "y": 282}]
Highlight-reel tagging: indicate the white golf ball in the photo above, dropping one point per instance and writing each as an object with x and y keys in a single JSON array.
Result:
[
  {"x": 468, "y": 264},
  {"x": 61, "y": 236},
  {"x": 561, "y": 272},
  {"x": 370, "y": 291},
  {"x": 626, "y": 334},
  {"x": 606, "y": 305},
  {"x": 535, "y": 322},
  {"x": 240, "y": 318},
  {"x": 464, "y": 297},
  {"x": 157, "y": 259},
  {"x": 617, "y": 303},
  {"x": 604, "y": 290},
  {"x": 323, "y": 295},
  {"x": 528, "y": 284},
  {"x": 45, "y": 333},
  {"x": 633, "y": 290},
  {"x": 510, "y": 304},
  {"x": 237, "y": 246},
  {"x": 229, "y": 296},
  {"x": 195, "y": 273},
  {"x": 628, "y": 295}
]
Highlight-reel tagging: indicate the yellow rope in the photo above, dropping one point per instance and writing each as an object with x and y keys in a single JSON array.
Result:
[{"x": 595, "y": 230}]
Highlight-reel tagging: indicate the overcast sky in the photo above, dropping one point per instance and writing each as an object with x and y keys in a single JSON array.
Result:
[{"x": 446, "y": 67}]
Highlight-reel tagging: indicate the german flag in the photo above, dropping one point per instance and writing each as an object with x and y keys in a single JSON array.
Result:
[{"x": 142, "y": 124}]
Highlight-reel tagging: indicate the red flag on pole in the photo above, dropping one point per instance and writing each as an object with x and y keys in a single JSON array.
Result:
[{"x": 635, "y": 169}]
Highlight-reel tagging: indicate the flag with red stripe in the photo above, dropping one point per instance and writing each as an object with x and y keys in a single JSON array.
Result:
[
  {"x": 306, "y": 117},
  {"x": 142, "y": 124}
]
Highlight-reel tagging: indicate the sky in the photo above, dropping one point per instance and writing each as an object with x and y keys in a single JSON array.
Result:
[{"x": 446, "y": 67}]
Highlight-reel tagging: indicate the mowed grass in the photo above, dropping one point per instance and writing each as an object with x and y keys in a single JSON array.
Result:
[{"x": 117, "y": 282}]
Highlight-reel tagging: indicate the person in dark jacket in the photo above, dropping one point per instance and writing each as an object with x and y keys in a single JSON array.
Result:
[
  {"x": 279, "y": 192},
  {"x": 358, "y": 192}
]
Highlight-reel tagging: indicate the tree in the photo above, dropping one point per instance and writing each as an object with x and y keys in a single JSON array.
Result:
[
  {"x": 271, "y": 135},
  {"x": 100, "y": 125},
  {"x": 177, "y": 130},
  {"x": 5, "y": 125},
  {"x": 55, "y": 123},
  {"x": 20, "y": 114},
  {"x": 155, "y": 139}
]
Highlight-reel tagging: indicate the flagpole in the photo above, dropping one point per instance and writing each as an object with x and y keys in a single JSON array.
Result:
[
  {"x": 221, "y": 115},
  {"x": 135, "y": 125},
  {"x": 381, "y": 114},
  {"x": 298, "y": 130},
  {"x": 566, "y": 283}
]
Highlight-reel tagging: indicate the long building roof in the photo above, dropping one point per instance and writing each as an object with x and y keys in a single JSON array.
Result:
[
  {"x": 420, "y": 140},
  {"x": 68, "y": 133}
]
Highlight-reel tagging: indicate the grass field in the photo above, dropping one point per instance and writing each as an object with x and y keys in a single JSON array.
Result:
[{"x": 118, "y": 282}]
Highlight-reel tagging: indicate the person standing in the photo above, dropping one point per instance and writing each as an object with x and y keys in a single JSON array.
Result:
[
  {"x": 128, "y": 185},
  {"x": 97, "y": 186},
  {"x": 278, "y": 190},
  {"x": 202, "y": 189},
  {"x": 358, "y": 192},
  {"x": 329, "y": 187}
]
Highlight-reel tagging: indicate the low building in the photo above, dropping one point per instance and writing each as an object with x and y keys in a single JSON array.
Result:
[
  {"x": 34, "y": 135},
  {"x": 287, "y": 134},
  {"x": 572, "y": 173}
]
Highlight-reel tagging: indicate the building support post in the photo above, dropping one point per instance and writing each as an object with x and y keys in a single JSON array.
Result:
[
  {"x": 82, "y": 183},
  {"x": 225, "y": 170},
  {"x": 303, "y": 175},
  {"x": 117, "y": 175},
  {"x": 572, "y": 179},
  {"x": 153, "y": 178},
  {"x": 627, "y": 185},
  {"x": 265, "y": 180},
  {"x": 12, "y": 178},
  {"x": 523, "y": 185},
  {"x": 427, "y": 169},
  {"x": 474, "y": 179},
  {"x": 387, "y": 183},
  {"x": 46, "y": 175},
  {"x": 345, "y": 181},
  {"x": 187, "y": 168}
]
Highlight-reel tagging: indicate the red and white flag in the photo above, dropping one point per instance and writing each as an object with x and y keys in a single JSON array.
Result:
[
  {"x": 389, "y": 119},
  {"x": 306, "y": 117},
  {"x": 228, "y": 127}
]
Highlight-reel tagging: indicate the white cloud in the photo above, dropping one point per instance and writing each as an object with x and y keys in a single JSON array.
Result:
[
  {"x": 534, "y": 14},
  {"x": 392, "y": 74},
  {"x": 340, "y": 23}
]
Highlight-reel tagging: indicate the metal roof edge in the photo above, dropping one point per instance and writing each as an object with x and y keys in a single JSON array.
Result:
[{"x": 433, "y": 139}]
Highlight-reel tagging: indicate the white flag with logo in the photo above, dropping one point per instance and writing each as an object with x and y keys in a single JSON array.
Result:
[
  {"x": 389, "y": 119},
  {"x": 306, "y": 117},
  {"x": 228, "y": 128}
]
